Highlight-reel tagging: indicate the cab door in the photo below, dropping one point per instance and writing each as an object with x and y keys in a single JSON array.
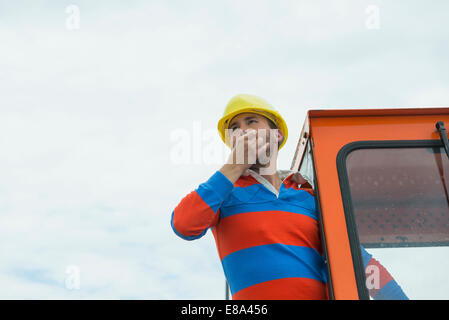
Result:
[{"x": 381, "y": 178}]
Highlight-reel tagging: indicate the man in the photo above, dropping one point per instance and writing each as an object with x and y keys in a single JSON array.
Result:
[{"x": 264, "y": 220}]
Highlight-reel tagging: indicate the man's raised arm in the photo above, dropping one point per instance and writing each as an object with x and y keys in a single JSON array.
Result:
[{"x": 200, "y": 209}]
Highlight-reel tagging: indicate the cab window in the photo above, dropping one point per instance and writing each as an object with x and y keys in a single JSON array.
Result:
[{"x": 395, "y": 196}]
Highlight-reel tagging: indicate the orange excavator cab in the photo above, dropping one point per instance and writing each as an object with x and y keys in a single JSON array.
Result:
[{"x": 381, "y": 178}]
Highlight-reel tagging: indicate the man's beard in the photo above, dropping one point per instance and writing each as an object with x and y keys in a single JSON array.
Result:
[
  {"x": 259, "y": 165},
  {"x": 268, "y": 164},
  {"x": 268, "y": 156}
]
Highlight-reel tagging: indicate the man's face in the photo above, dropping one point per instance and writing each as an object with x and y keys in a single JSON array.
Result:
[
  {"x": 248, "y": 120},
  {"x": 243, "y": 122}
]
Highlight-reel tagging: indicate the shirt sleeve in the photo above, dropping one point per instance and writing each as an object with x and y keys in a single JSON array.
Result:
[
  {"x": 200, "y": 209},
  {"x": 380, "y": 283}
]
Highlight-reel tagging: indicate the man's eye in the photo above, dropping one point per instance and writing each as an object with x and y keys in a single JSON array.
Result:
[{"x": 252, "y": 121}]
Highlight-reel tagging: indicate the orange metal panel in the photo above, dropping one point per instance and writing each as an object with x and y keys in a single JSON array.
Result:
[
  {"x": 330, "y": 130},
  {"x": 377, "y": 112}
]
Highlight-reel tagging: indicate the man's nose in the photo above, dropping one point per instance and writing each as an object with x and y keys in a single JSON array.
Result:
[
  {"x": 245, "y": 131},
  {"x": 244, "y": 128}
]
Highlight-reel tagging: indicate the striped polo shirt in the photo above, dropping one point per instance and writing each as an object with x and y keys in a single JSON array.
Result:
[{"x": 268, "y": 241}]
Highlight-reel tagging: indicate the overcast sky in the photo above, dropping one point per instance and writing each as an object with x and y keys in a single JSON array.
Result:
[{"x": 95, "y": 95}]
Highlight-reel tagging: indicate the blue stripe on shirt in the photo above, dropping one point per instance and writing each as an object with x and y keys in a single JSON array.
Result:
[
  {"x": 366, "y": 256},
  {"x": 215, "y": 190},
  {"x": 254, "y": 265},
  {"x": 391, "y": 291}
]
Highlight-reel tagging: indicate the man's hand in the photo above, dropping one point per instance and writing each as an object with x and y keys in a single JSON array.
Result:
[{"x": 245, "y": 152}]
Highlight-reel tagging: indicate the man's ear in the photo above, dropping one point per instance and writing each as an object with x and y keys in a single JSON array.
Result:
[{"x": 280, "y": 137}]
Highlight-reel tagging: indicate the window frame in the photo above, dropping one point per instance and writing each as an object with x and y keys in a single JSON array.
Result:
[{"x": 351, "y": 225}]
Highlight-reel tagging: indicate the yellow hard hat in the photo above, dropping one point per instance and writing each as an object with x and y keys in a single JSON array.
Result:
[{"x": 249, "y": 103}]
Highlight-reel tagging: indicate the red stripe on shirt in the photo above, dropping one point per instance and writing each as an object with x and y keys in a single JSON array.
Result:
[
  {"x": 284, "y": 289},
  {"x": 375, "y": 270},
  {"x": 249, "y": 229}
]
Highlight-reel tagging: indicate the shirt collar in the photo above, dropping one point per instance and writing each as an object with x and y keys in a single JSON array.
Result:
[{"x": 290, "y": 178}]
